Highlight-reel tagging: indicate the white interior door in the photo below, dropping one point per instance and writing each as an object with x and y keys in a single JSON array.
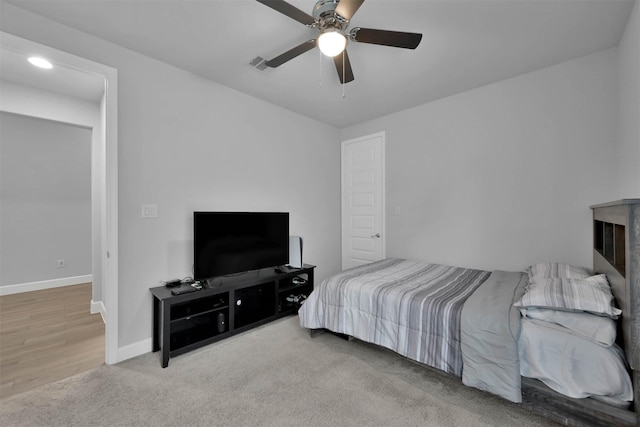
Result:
[{"x": 363, "y": 231}]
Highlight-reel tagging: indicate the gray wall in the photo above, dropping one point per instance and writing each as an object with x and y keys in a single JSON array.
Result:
[
  {"x": 502, "y": 177},
  {"x": 45, "y": 199},
  {"x": 185, "y": 144},
  {"x": 629, "y": 90}
]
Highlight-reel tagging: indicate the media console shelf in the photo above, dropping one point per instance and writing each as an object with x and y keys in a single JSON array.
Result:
[{"x": 226, "y": 306}]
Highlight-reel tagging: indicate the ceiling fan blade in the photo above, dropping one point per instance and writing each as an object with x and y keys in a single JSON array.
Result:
[
  {"x": 291, "y": 53},
  {"x": 289, "y": 10},
  {"x": 348, "y": 8},
  {"x": 386, "y": 38},
  {"x": 347, "y": 76}
]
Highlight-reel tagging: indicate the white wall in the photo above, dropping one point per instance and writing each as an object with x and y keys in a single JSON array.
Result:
[
  {"x": 33, "y": 102},
  {"x": 502, "y": 176},
  {"x": 45, "y": 196},
  {"x": 188, "y": 144},
  {"x": 629, "y": 89}
]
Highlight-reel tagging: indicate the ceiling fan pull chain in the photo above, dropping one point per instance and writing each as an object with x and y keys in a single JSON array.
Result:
[
  {"x": 343, "y": 76},
  {"x": 320, "y": 65}
]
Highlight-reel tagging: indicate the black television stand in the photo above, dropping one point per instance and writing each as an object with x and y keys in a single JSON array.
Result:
[{"x": 226, "y": 306}]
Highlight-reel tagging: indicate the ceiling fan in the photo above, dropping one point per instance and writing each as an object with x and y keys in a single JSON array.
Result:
[{"x": 332, "y": 18}]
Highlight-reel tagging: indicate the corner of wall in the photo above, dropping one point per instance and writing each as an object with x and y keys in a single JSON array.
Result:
[
  {"x": 629, "y": 107},
  {"x": 133, "y": 350},
  {"x": 98, "y": 307}
]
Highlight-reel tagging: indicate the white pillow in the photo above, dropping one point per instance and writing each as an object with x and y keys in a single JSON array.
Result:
[
  {"x": 598, "y": 329},
  {"x": 554, "y": 269},
  {"x": 592, "y": 295}
]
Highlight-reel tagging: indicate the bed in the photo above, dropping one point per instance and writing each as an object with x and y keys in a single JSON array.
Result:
[{"x": 560, "y": 340}]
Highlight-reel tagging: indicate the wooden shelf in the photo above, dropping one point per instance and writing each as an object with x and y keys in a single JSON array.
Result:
[{"x": 609, "y": 241}]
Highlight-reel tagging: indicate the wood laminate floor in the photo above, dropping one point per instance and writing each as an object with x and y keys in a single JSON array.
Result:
[{"x": 46, "y": 336}]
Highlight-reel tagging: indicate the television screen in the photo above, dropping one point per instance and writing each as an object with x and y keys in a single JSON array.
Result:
[{"x": 234, "y": 242}]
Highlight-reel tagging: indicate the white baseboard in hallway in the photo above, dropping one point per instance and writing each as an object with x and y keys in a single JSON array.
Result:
[
  {"x": 98, "y": 307},
  {"x": 44, "y": 284}
]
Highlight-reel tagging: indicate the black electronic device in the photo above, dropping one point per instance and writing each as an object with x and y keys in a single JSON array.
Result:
[
  {"x": 184, "y": 289},
  {"x": 173, "y": 283},
  {"x": 285, "y": 269},
  {"x": 221, "y": 322},
  {"x": 235, "y": 242}
]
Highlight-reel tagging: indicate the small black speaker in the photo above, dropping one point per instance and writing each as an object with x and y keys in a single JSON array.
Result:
[{"x": 222, "y": 322}]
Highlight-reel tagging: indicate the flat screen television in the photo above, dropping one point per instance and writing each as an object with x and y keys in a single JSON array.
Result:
[{"x": 227, "y": 243}]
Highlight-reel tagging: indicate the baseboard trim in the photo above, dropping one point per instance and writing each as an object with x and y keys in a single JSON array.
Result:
[
  {"x": 98, "y": 307},
  {"x": 45, "y": 284},
  {"x": 134, "y": 350}
]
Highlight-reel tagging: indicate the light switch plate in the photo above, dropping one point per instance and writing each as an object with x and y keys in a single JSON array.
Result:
[{"x": 149, "y": 211}]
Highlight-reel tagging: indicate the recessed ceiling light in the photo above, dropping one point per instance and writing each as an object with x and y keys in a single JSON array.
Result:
[{"x": 40, "y": 62}]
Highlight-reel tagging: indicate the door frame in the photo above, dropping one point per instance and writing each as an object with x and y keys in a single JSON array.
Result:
[
  {"x": 107, "y": 248},
  {"x": 383, "y": 238}
]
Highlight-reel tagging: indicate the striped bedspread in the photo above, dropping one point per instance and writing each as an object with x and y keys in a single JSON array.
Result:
[{"x": 409, "y": 307}]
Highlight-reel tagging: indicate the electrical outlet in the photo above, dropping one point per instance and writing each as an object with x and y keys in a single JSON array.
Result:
[{"x": 61, "y": 263}]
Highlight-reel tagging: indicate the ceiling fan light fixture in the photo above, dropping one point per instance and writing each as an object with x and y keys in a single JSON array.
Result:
[{"x": 332, "y": 42}]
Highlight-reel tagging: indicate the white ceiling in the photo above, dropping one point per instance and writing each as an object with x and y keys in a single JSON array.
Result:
[
  {"x": 466, "y": 44},
  {"x": 62, "y": 79}
]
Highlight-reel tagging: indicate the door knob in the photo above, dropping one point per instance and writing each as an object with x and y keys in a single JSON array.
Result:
[{"x": 377, "y": 235}]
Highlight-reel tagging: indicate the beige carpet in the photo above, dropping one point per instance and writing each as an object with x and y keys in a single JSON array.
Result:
[{"x": 272, "y": 375}]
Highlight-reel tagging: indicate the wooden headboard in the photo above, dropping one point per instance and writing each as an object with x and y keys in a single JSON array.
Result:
[{"x": 616, "y": 253}]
